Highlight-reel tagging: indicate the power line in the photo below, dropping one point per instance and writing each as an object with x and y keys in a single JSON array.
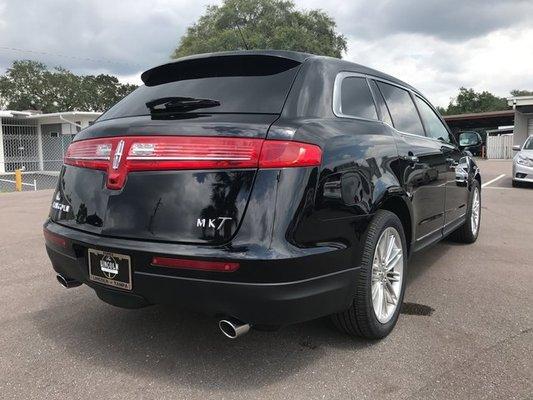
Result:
[{"x": 46, "y": 53}]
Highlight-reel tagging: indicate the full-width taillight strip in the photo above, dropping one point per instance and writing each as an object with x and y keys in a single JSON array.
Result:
[
  {"x": 193, "y": 152},
  {"x": 94, "y": 153},
  {"x": 119, "y": 155}
]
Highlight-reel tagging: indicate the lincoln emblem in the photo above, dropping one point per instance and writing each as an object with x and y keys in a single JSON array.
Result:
[{"x": 118, "y": 154}]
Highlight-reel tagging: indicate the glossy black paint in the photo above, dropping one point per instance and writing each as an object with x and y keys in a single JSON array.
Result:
[
  {"x": 164, "y": 205},
  {"x": 289, "y": 226}
]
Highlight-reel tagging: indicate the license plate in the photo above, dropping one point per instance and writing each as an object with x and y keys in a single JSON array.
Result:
[{"x": 111, "y": 269}]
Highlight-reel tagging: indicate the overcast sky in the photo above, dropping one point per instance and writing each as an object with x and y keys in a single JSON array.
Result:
[{"x": 435, "y": 45}]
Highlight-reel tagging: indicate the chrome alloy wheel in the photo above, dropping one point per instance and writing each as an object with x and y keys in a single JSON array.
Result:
[
  {"x": 476, "y": 206},
  {"x": 387, "y": 274}
]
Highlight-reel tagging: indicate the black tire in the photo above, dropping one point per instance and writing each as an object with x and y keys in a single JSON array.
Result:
[
  {"x": 360, "y": 319},
  {"x": 465, "y": 234},
  {"x": 516, "y": 183}
]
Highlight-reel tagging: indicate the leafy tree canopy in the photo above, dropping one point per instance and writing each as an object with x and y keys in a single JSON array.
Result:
[
  {"x": 470, "y": 101},
  {"x": 262, "y": 24},
  {"x": 31, "y": 85},
  {"x": 518, "y": 92}
]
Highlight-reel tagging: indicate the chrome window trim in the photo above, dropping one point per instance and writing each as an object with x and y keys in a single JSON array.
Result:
[
  {"x": 337, "y": 98},
  {"x": 337, "y": 110}
]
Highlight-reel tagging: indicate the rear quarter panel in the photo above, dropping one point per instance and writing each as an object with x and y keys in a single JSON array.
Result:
[{"x": 332, "y": 205}]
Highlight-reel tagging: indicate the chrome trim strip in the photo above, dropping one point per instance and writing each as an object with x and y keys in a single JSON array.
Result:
[
  {"x": 455, "y": 220},
  {"x": 429, "y": 234},
  {"x": 337, "y": 110},
  {"x": 441, "y": 228},
  {"x": 89, "y": 158},
  {"x": 337, "y": 106}
]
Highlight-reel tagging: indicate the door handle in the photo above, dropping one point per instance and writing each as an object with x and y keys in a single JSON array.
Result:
[{"x": 410, "y": 159}]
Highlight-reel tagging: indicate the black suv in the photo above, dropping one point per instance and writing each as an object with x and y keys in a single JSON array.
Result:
[{"x": 264, "y": 188}]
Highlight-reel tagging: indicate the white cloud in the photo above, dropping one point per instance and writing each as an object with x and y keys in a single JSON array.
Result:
[
  {"x": 497, "y": 62},
  {"x": 134, "y": 79},
  {"x": 434, "y": 45},
  {"x": 120, "y": 37}
]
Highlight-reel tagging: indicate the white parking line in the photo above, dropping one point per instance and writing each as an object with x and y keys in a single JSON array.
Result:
[{"x": 493, "y": 180}]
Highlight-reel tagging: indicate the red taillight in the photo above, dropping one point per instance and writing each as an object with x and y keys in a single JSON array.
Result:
[
  {"x": 94, "y": 153},
  {"x": 219, "y": 266},
  {"x": 148, "y": 153},
  {"x": 283, "y": 154},
  {"x": 54, "y": 239},
  {"x": 118, "y": 155}
]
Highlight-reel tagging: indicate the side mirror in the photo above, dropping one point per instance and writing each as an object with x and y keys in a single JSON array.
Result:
[
  {"x": 470, "y": 144},
  {"x": 516, "y": 148},
  {"x": 469, "y": 153}
]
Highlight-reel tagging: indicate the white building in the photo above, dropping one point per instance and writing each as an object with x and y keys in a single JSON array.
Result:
[
  {"x": 37, "y": 142},
  {"x": 523, "y": 118}
]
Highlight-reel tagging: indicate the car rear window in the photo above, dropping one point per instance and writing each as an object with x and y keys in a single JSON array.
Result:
[
  {"x": 232, "y": 84},
  {"x": 402, "y": 109}
]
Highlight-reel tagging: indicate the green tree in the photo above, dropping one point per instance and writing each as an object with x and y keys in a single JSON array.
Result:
[
  {"x": 31, "y": 85},
  {"x": 262, "y": 24},
  {"x": 519, "y": 92},
  {"x": 470, "y": 101}
]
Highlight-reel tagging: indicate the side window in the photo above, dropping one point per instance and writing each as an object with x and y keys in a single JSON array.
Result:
[
  {"x": 402, "y": 109},
  {"x": 356, "y": 99},
  {"x": 434, "y": 127},
  {"x": 380, "y": 102}
]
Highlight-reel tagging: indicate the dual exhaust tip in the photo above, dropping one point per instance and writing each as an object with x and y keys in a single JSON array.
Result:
[{"x": 230, "y": 327}]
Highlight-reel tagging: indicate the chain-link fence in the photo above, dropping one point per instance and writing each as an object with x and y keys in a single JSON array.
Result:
[{"x": 37, "y": 153}]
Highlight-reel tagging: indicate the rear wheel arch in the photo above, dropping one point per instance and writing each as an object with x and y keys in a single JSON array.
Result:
[{"x": 398, "y": 206}]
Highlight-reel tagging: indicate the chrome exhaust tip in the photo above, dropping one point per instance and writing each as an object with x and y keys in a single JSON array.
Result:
[
  {"x": 66, "y": 282},
  {"x": 233, "y": 328}
]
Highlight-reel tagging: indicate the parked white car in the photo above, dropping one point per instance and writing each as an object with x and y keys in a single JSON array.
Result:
[{"x": 523, "y": 163}]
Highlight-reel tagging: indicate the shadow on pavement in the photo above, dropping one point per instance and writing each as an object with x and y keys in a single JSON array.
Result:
[
  {"x": 179, "y": 347},
  {"x": 184, "y": 348}
]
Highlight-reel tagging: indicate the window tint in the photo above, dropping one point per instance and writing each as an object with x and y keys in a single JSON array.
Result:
[
  {"x": 382, "y": 107},
  {"x": 402, "y": 109},
  {"x": 247, "y": 84},
  {"x": 356, "y": 99},
  {"x": 434, "y": 127}
]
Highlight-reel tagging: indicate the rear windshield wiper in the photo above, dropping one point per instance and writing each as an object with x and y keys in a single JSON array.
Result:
[{"x": 179, "y": 104}]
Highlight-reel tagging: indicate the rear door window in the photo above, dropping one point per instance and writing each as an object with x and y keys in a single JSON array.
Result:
[
  {"x": 356, "y": 98},
  {"x": 402, "y": 109},
  {"x": 229, "y": 84},
  {"x": 380, "y": 102},
  {"x": 434, "y": 127}
]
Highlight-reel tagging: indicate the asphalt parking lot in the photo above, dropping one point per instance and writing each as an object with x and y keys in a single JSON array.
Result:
[{"x": 475, "y": 340}]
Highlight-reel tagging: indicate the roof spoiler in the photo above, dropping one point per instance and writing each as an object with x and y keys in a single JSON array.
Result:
[{"x": 240, "y": 64}]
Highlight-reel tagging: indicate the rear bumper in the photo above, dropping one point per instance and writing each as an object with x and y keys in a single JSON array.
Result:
[{"x": 270, "y": 299}]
